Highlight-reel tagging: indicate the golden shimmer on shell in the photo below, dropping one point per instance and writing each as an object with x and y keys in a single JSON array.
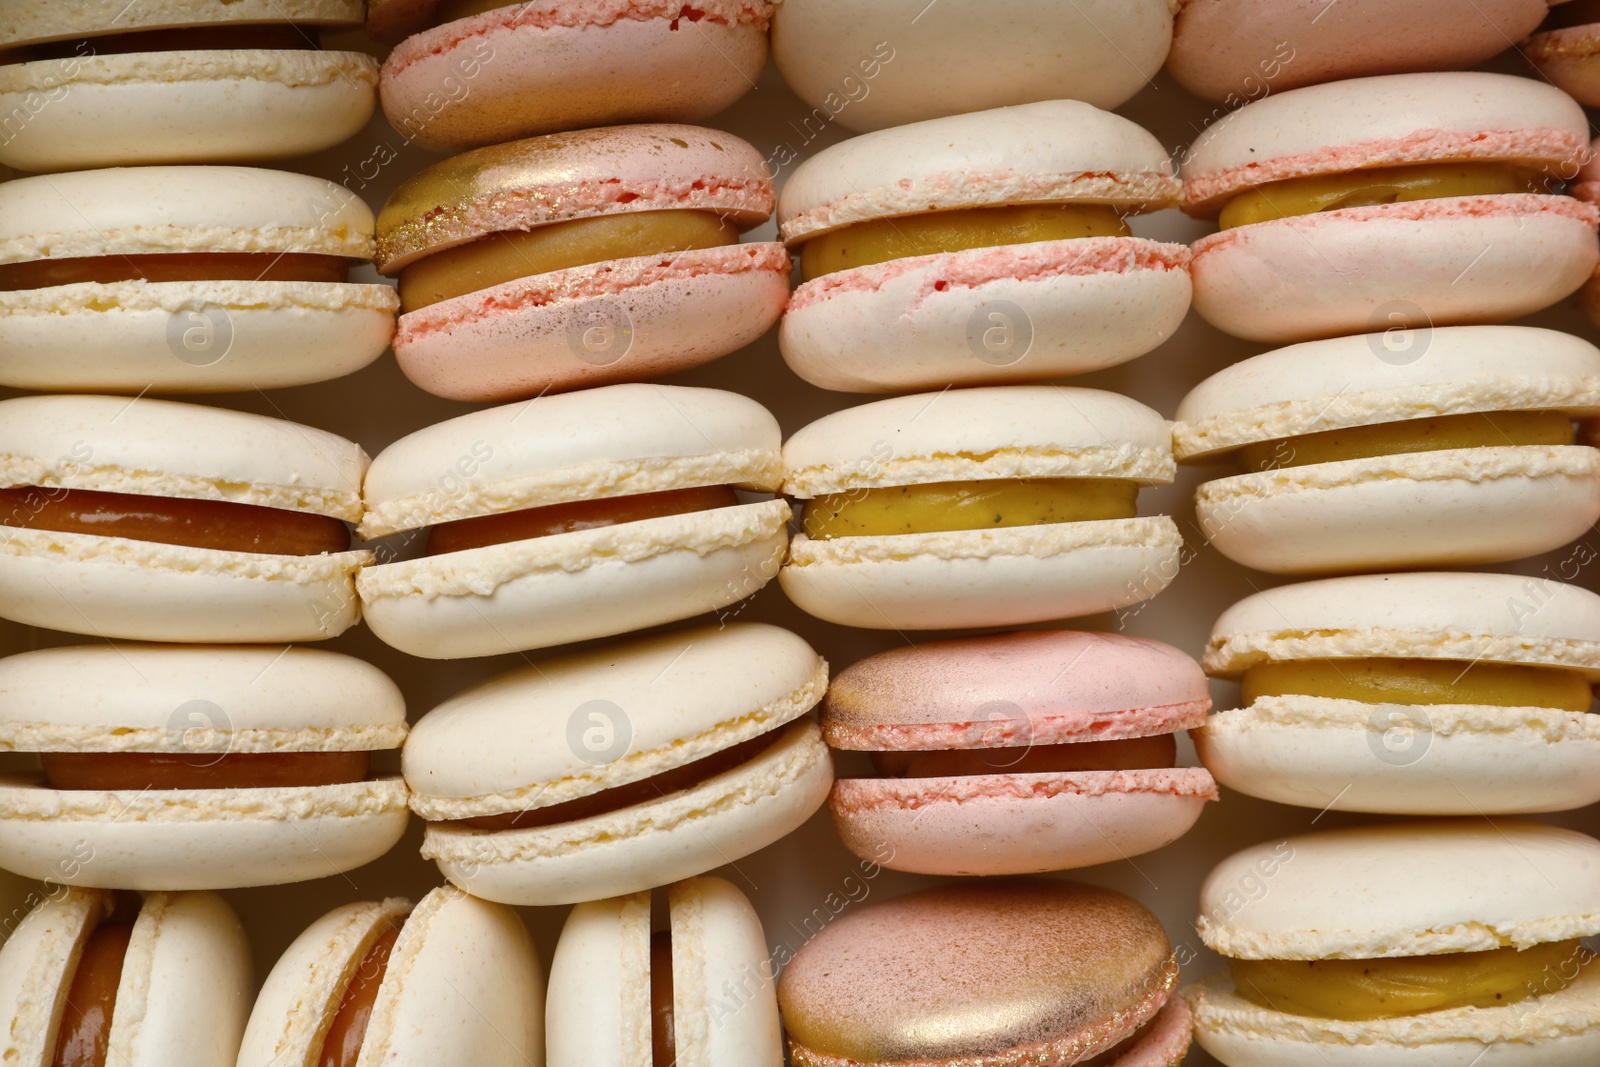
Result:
[
  {"x": 1479, "y": 429},
  {"x": 1377, "y": 185},
  {"x": 941, "y": 507},
  {"x": 1420, "y": 681}
]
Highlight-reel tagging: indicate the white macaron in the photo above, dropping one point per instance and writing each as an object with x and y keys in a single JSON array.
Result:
[
  {"x": 978, "y": 507},
  {"x": 454, "y": 979},
  {"x": 607, "y": 772},
  {"x": 1370, "y": 943},
  {"x": 158, "y": 521},
  {"x": 197, "y": 767},
  {"x": 1400, "y": 449},
  {"x": 155, "y": 983},
  {"x": 699, "y": 992},
  {"x": 980, "y": 248},
  {"x": 573, "y": 516},
  {"x": 1427, "y": 694},
  {"x": 185, "y": 280}
]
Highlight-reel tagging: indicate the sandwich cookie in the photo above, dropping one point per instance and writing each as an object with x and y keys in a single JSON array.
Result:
[
  {"x": 158, "y": 521},
  {"x": 466, "y": 73},
  {"x": 454, "y": 979},
  {"x": 978, "y": 507},
  {"x": 1403, "y": 200},
  {"x": 1414, "y": 694},
  {"x": 1017, "y": 753},
  {"x": 177, "y": 81},
  {"x": 579, "y": 259},
  {"x": 571, "y": 517},
  {"x": 1441, "y": 943},
  {"x": 1038, "y": 972},
  {"x": 95, "y": 977},
  {"x": 699, "y": 991},
  {"x": 868, "y": 67},
  {"x": 990, "y": 247},
  {"x": 1567, "y": 51},
  {"x": 194, "y": 767},
  {"x": 607, "y": 772},
  {"x": 1398, "y": 449},
  {"x": 185, "y": 280}
]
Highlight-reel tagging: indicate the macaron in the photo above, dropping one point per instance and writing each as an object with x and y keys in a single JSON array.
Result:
[
  {"x": 1567, "y": 52},
  {"x": 983, "y": 248},
  {"x": 570, "y": 517},
  {"x": 185, "y": 280},
  {"x": 159, "y": 521},
  {"x": 454, "y": 979},
  {"x": 1586, "y": 187},
  {"x": 1444, "y": 943},
  {"x": 579, "y": 259},
  {"x": 978, "y": 507},
  {"x": 478, "y": 72},
  {"x": 1016, "y": 753},
  {"x": 1401, "y": 200},
  {"x": 1233, "y": 51},
  {"x": 870, "y": 66},
  {"x": 603, "y": 773},
  {"x": 92, "y": 976},
  {"x": 1038, "y": 972},
  {"x": 1405, "y": 448},
  {"x": 699, "y": 991},
  {"x": 196, "y": 767},
  {"x": 1431, "y": 693},
  {"x": 177, "y": 81}
]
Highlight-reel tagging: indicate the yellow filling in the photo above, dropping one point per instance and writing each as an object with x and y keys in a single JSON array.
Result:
[
  {"x": 1379, "y": 185},
  {"x": 980, "y": 505},
  {"x": 881, "y": 240},
  {"x": 1383, "y": 989},
  {"x": 1421, "y": 681},
  {"x": 1488, "y": 429},
  {"x": 509, "y": 255}
]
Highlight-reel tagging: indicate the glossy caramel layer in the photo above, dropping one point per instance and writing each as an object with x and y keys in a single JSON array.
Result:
[
  {"x": 1488, "y": 429},
  {"x": 511, "y": 526},
  {"x": 976, "y": 505},
  {"x": 342, "y": 1045},
  {"x": 84, "y": 1036},
  {"x": 201, "y": 770},
  {"x": 663, "y": 1027},
  {"x": 192, "y": 39},
  {"x": 1378, "y": 185},
  {"x": 176, "y": 267},
  {"x": 1131, "y": 754},
  {"x": 1421, "y": 681}
]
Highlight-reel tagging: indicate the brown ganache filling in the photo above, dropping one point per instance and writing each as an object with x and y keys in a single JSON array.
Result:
[
  {"x": 280, "y": 36},
  {"x": 483, "y": 530},
  {"x": 176, "y": 267},
  {"x": 201, "y": 770}
]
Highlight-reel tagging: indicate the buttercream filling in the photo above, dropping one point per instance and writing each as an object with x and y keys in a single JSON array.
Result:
[
  {"x": 663, "y": 1026},
  {"x": 83, "y": 1038},
  {"x": 137, "y": 771},
  {"x": 483, "y": 530},
  {"x": 277, "y": 36},
  {"x": 176, "y": 267},
  {"x": 943, "y": 507},
  {"x": 1421, "y": 681},
  {"x": 1479, "y": 429},
  {"x": 210, "y": 524},
  {"x": 1139, "y": 753},
  {"x": 955, "y": 230},
  {"x": 341, "y": 1047},
  {"x": 1379, "y": 185}
]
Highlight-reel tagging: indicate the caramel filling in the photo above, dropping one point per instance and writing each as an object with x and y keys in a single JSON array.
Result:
[
  {"x": 84, "y": 1038},
  {"x": 1421, "y": 681},
  {"x": 190, "y": 39},
  {"x": 1137, "y": 753},
  {"x": 201, "y": 770},
  {"x": 342, "y": 1045},
  {"x": 1378, "y": 185},
  {"x": 1387, "y": 988},
  {"x": 512, "y": 254},
  {"x": 213, "y": 524},
  {"x": 176, "y": 267},
  {"x": 484, "y": 530},
  {"x": 1487, "y": 429},
  {"x": 955, "y": 230},
  {"x": 942, "y": 507},
  {"x": 663, "y": 1028}
]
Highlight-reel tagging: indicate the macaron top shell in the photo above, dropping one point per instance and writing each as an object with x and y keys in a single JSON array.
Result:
[
  {"x": 162, "y": 448},
  {"x": 1407, "y": 889},
  {"x": 1382, "y": 121},
  {"x": 1019, "y": 431},
  {"x": 1052, "y": 152},
  {"x": 37, "y": 21},
  {"x": 1036, "y": 687},
  {"x": 1387, "y": 377},
  {"x": 616, "y": 440},
  {"x": 153, "y": 210},
  {"x": 580, "y": 174},
  {"x": 1493, "y": 618}
]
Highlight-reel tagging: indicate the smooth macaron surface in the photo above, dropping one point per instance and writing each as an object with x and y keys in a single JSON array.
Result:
[{"x": 1565, "y": 52}]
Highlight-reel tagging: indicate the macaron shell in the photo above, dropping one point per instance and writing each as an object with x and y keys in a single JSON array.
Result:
[
  {"x": 1569, "y": 58},
  {"x": 598, "y": 1012},
  {"x": 1166, "y": 1042},
  {"x": 36, "y": 967},
  {"x": 718, "y": 946},
  {"x": 34, "y": 21}
]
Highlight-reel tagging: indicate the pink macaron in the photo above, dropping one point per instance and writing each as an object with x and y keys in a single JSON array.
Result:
[
  {"x": 466, "y": 73},
  {"x": 580, "y": 259},
  {"x": 1017, "y": 753},
  {"x": 1567, "y": 51},
  {"x": 1406, "y": 200}
]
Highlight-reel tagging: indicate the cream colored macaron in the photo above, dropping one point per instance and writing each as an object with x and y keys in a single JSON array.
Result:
[
  {"x": 155, "y": 983},
  {"x": 1426, "y": 694},
  {"x": 1442, "y": 944},
  {"x": 978, "y": 507},
  {"x": 607, "y": 772},
  {"x": 177, "y": 81},
  {"x": 454, "y": 979},
  {"x": 157, "y": 521},
  {"x": 196, "y": 767},
  {"x": 698, "y": 992},
  {"x": 574, "y": 516},
  {"x": 185, "y": 280},
  {"x": 1399, "y": 449}
]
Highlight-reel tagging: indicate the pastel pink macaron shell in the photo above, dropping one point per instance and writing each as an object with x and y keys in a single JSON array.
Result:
[{"x": 1570, "y": 58}]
